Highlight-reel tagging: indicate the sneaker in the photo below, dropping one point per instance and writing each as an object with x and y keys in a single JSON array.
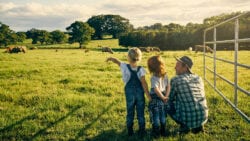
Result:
[
  {"x": 183, "y": 129},
  {"x": 130, "y": 131},
  {"x": 155, "y": 133},
  {"x": 142, "y": 132},
  {"x": 198, "y": 130},
  {"x": 163, "y": 131}
]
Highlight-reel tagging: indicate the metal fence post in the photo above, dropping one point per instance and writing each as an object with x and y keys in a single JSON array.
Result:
[
  {"x": 214, "y": 59},
  {"x": 236, "y": 41},
  {"x": 204, "y": 61},
  {"x": 236, "y": 46}
]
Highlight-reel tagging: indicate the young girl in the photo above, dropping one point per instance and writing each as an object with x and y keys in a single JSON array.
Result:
[
  {"x": 159, "y": 93},
  {"x": 135, "y": 86}
]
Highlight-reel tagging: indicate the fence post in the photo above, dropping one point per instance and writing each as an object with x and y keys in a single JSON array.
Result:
[
  {"x": 236, "y": 48},
  {"x": 204, "y": 61},
  {"x": 214, "y": 59}
]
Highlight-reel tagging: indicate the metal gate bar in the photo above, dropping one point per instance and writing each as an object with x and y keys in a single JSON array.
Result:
[{"x": 236, "y": 42}]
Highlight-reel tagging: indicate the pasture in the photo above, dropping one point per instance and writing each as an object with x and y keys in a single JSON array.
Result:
[{"x": 73, "y": 95}]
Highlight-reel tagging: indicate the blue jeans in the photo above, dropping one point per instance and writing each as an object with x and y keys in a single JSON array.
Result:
[
  {"x": 157, "y": 113},
  {"x": 135, "y": 99}
]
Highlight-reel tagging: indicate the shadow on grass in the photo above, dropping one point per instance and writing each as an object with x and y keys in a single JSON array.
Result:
[
  {"x": 113, "y": 135},
  {"x": 42, "y": 131},
  {"x": 9, "y": 127},
  {"x": 82, "y": 131}
]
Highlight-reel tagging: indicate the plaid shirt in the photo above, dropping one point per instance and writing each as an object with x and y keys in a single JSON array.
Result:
[{"x": 188, "y": 99}]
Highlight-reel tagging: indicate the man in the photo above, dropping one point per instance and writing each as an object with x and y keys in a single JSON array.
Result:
[{"x": 187, "y": 103}]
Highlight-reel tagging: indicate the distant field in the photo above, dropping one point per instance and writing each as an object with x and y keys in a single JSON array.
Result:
[{"x": 73, "y": 95}]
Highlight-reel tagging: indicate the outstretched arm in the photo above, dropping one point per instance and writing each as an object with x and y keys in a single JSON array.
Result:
[{"x": 114, "y": 60}]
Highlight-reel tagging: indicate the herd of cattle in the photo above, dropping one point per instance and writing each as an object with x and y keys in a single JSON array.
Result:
[{"x": 198, "y": 48}]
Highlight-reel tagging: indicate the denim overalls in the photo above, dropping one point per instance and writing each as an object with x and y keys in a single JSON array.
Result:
[{"x": 135, "y": 98}]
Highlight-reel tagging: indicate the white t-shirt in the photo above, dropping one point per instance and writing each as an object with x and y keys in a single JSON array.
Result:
[
  {"x": 161, "y": 83},
  {"x": 126, "y": 73}
]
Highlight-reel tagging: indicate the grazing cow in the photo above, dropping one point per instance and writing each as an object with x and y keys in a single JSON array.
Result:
[
  {"x": 16, "y": 49},
  {"x": 144, "y": 49},
  {"x": 86, "y": 50},
  {"x": 107, "y": 49},
  {"x": 201, "y": 48},
  {"x": 190, "y": 49},
  {"x": 156, "y": 49},
  {"x": 149, "y": 49},
  {"x": 33, "y": 48}
]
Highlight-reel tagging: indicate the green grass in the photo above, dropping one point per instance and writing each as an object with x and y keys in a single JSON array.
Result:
[{"x": 72, "y": 95}]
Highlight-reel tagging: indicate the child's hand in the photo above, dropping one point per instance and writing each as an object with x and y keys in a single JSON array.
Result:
[
  {"x": 149, "y": 98},
  {"x": 165, "y": 99}
]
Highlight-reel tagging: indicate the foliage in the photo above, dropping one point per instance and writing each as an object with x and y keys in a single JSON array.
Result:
[
  {"x": 21, "y": 36},
  {"x": 7, "y": 36},
  {"x": 58, "y": 37},
  {"x": 109, "y": 24},
  {"x": 37, "y": 35},
  {"x": 80, "y": 32},
  {"x": 177, "y": 37}
]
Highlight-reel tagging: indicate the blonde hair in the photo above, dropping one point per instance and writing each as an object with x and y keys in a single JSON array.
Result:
[
  {"x": 156, "y": 66},
  {"x": 135, "y": 54}
]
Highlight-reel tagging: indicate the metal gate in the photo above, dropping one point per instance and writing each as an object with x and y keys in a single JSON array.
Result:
[{"x": 235, "y": 42}]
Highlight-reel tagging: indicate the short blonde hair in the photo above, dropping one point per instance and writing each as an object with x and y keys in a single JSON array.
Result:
[{"x": 135, "y": 54}]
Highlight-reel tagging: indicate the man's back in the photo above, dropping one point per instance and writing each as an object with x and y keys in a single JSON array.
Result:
[{"x": 187, "y": 94}]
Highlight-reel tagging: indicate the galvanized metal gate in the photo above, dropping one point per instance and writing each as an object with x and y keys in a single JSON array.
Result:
[{"x": 234, "y": 63}]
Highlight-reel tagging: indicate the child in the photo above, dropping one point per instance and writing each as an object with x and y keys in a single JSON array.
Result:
[
  {"x": 135, "y": 86},
  {"x": 159, "y": 93}
]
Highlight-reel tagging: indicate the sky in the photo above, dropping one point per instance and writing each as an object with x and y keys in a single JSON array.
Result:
[{"x": 23, "y": 15}]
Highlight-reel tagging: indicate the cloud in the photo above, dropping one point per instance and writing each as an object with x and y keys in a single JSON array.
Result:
[
  {"x": 60, "y": 14},
  {"x": 36, "y": 15}
]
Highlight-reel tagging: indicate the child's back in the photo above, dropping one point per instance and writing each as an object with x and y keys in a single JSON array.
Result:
[{"x": 135, "y": 85}]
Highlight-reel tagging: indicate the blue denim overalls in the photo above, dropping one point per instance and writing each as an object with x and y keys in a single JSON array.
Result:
[{"x": 135, "y": 98}]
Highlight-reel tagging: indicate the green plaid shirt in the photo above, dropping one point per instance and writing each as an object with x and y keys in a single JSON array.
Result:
[{"x": 187, "y": 96}]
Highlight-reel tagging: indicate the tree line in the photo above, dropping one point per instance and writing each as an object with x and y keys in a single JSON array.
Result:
[
  {"x": 177, "y": 37},
  {"x": 167, "y": 37}
]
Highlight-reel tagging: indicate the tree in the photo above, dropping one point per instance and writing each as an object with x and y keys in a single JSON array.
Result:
[
  {"x": 21, "y": 36},
  {"x": 113, "y": 25},
  {"x": 37, "y": 35},
  {"x": 57, "y": 36},
  {"x": 44, "y": 37},
  {"x": 7, "y": 36},
  {"x": 97, "y": 22},
  {"x": 80, "y": 32}
]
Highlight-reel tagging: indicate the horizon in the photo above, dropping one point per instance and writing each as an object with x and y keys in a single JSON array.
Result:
[{"x": 59, "y": 14}]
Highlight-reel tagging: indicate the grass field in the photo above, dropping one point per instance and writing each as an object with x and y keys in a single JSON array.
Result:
[{"x": 72, "y": 95}]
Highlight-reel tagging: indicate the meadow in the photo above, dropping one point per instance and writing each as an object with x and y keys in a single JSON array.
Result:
[{"x": 72, "y": 95}]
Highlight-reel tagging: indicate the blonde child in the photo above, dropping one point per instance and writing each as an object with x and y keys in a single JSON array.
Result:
[
  {"x": 159, "y": 93},
  {"x": 135, "y": 85}
]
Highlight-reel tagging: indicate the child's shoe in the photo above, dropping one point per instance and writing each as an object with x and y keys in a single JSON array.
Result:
[
  {"x": 130, "y": 131},
  {"x": 155, "y": 132}
]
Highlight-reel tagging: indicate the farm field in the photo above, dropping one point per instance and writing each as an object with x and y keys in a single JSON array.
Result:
[{"x": 72, "y": 95}]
